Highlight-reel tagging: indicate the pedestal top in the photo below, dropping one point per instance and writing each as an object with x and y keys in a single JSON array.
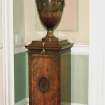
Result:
[{"x": 58, "y": 46}]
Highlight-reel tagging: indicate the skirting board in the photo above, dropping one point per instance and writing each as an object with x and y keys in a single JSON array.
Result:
[
  {"x": 22, "y": 102},
  {"x": 75, "y": 104},
  {"x": 26, "y": 102}
]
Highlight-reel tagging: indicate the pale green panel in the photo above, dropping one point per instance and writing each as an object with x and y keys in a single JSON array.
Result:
[
  {"x": 27, "y": 76},
  {"x": 20, "y": 76},
  {"x": 79, "y": 79}
]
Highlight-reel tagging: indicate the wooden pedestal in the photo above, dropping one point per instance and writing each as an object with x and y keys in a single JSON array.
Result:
[{"x": 44, "y": 72}]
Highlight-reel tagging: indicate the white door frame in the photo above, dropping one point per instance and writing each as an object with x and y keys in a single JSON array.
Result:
[
  {"x": 8, "y": 52},
  {"x": 96, "y": 91}
]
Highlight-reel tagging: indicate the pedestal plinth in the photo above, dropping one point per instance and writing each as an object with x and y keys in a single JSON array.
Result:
[{"x": 45, "y": 71}]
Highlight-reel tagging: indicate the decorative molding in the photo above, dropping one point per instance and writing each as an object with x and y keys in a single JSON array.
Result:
[
  {"x": 8, "y": 52},
  {"x": 80, "y": 49},
  {"x": 20, "y": 49},
  {"x": 1, "y": 45}
]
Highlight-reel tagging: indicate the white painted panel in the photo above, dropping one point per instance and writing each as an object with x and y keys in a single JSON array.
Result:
[
  {"x": 1, "y": 79},
  {"x": 1, "y": 68},
  {"x": 96, "y": 95},
  {"x": 8, "y": 52},
  {"x": 0, "y": 25}
]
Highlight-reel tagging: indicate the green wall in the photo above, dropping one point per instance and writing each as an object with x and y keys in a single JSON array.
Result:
[
  {"x": 79, "y": 78},
  {"x": 20, "y": 76}
]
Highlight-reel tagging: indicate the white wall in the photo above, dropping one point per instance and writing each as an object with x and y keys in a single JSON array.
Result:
[
  {"x": 18, "y": 21},
  {"x": 0, "y": 25},
  {"x": 1, "y": 82},
  {"x": 29, "y": 19},
  {"x": 1, "y": 68},
  {"x": 96, "y": 93}
]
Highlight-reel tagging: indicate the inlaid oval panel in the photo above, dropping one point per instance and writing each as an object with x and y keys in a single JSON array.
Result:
[{"x": 44, "y": 84}]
